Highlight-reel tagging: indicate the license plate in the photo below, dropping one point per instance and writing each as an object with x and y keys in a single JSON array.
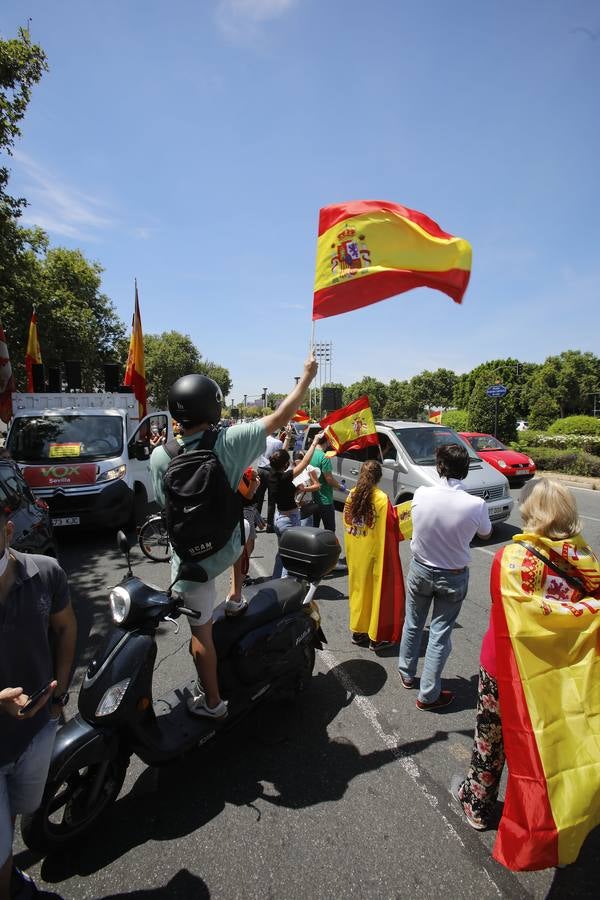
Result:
[{"x": 66, "y": 520}]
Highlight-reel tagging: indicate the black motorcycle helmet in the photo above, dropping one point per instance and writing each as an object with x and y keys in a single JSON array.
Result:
[{"x": 194, "y": 400}]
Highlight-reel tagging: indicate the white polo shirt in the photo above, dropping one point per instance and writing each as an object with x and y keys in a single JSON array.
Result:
[
  {"x": 445, "y": 520},
  {"x": 273, "y": 444}
]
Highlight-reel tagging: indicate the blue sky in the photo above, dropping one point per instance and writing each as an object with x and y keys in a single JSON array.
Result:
[{"x": 191, "y": 144}]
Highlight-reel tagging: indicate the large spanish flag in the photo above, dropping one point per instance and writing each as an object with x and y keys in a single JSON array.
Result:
[
  {"x": 351, "y": 427},
  {"x": 375, "y": 580},
  {"x": 135, "y": 372},
  {"x": 33, "y": 354},
  {"x": 368, "y": 250},
  {"x": 301, "y": 417},
  {"x": 548, "y": 662}
]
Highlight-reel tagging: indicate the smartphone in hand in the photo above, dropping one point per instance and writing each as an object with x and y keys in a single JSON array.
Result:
[{"x": 33, "y": 698}]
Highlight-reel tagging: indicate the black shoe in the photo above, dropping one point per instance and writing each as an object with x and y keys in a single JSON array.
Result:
[
  {"x": 379, "y": 645},
  {"x": 23, "y": 887},
  {"x": 360, "y": 639}
]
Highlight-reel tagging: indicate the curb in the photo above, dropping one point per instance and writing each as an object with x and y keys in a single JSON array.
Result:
[{"x": 582, "y": 481}]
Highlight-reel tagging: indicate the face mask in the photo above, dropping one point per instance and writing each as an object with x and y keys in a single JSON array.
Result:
[{"x": 3, "y": 562}]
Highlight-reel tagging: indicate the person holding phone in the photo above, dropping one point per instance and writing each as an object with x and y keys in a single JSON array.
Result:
[{"x": 34, "y": 679}]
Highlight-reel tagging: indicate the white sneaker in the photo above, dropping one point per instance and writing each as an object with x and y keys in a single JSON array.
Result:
[
  {"x": 235, "y": 607},
  {"x": 198, "y": 706}
]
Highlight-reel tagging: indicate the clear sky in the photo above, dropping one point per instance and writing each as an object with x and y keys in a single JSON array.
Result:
[{"x": 191, "y": 143}]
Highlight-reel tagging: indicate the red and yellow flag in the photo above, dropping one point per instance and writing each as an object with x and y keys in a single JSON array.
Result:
[
  {"x": 33, "y": 354},
  {"x": 300, "y": 416},
  {"x": 435, "y": 416},
  {"x": 351, "y": 427},
  {"x": 7, "y": 381},
  {"x": 375, "y": 581},
  {"x": 368, "y": 250},
  {"x": 135, "y": 372},
  {"x": 547, "y": 638}
]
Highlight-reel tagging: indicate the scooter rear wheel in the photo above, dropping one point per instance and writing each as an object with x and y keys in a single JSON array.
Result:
[{"x": 71, "y": 807}]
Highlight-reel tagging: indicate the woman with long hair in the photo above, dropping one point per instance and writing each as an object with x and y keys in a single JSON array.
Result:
[
  {"x": 538, "y": 703},
  {"x": 375, "y": 581}
]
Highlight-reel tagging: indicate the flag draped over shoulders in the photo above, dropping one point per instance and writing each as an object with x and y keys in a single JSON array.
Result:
[
  {"x": 369, "y": 250},
  {"x": 548, "y": 663},
  {"x": 375, "y": 580}
]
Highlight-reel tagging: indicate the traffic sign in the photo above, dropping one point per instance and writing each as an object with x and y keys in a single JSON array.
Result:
[{"x": 497, "y": 390}]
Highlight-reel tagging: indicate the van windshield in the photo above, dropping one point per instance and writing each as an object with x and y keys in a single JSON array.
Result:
[
  {"x": 421, "y": 443},
  {"x": 47, "y": 438}
]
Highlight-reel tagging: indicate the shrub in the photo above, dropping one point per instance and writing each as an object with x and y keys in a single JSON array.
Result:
[
  {"x": 587, "y": 443},
  {"x": 571, "y": 462},
  {"x": 576, "y": 425},
  {"x": 455, "y": 418},
  {"x": 543, "y": 411}
]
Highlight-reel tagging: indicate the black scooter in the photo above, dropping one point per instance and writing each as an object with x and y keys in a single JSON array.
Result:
[{"x": 267, "y": 651}]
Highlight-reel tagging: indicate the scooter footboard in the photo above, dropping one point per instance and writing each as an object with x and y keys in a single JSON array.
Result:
[{"x": 80, "y": 744}]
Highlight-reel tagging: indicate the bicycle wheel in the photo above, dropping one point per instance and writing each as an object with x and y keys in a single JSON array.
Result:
[{"x": 153, "y": 539}]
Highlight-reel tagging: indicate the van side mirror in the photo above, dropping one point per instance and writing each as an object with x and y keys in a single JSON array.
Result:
[
  {"x": 395, "y": 464},
  {"x": 139, "y": 450}
]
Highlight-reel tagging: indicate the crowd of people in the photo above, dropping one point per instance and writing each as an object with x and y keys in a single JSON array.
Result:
[{"x": 259, "y": 462}]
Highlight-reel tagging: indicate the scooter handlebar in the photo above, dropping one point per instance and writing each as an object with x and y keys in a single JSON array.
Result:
[{"x": 190, "y": 613}]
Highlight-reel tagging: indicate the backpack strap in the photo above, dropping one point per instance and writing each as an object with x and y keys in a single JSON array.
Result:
[
  {"x": 573, "y": 582},
  {"x": 173, "y": 448},
  {"x": 206, "y": 441}
]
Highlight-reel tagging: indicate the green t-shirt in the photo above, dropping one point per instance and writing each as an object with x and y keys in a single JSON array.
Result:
[
  {"x": 324, "y": 495},
  {"x": 236, "y": 447}
]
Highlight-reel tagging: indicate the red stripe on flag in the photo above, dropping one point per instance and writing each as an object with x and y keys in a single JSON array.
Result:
[
  {"x": 331, "y": 215},
  {"x": 391, "y": 604},
  {"x": 367, "y": 289},
  {"x": 527, "y": 836},
  {"x": 345, "y": 411}
]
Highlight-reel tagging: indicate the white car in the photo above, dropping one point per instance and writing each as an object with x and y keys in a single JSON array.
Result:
[{"x": 522, "y": 425}]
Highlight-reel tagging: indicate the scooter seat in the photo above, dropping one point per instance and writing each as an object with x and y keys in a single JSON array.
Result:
[{"x": 273, "y": 600}]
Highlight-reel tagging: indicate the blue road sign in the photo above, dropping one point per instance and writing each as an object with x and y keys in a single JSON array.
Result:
[{"x": 497, "y": 390}]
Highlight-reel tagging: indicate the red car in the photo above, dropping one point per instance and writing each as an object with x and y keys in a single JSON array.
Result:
[{"x": 510, "y": 462}]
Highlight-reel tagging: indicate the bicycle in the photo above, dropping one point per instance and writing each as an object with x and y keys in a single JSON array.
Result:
[{"x": 153, "y": 538}]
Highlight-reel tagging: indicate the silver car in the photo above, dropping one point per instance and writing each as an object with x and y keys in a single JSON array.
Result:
[{"x": 407, "y": 452}]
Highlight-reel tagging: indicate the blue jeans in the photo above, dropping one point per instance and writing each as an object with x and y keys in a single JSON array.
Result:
[
  {"x": 282, "y": 523},
  {"x": 447, "y": 590},
  {"x": 22, "y": 783}
]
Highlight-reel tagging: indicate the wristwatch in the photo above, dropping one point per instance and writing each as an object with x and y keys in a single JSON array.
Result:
[{"x": 60, "y": 699}]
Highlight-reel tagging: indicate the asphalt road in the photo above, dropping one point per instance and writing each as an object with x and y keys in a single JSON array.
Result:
[{"x": 342, "y": 794}]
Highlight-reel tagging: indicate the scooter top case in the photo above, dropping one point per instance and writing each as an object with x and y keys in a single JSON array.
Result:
[{"x": 309, "y": 553}]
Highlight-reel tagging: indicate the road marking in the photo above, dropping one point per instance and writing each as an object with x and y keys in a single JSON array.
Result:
[
  {"x": 591, "y": 518},
  {"x": 575, "y": 488},
  {"x": 485, "y": 550}
]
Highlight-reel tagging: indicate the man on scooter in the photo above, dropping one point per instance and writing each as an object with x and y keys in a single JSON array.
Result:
[{"x": 195, "y": 401}]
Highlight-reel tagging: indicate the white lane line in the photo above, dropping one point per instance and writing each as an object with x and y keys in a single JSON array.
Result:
[
  {"x": 485, "y": 550},
  {"x": 575, "y": 488},
  {"x": 591, "y": 518},
  {"x": 391, "y": 741}
]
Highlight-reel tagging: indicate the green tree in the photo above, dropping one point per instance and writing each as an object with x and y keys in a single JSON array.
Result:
[
  {"x": 482, "y": 412},
  {"x": 167, "y": 357},
  {"x": 76, "y": 321},
  {"x": 218, "y": 373},
  {"x": 543, "y": 411},
  {"x": 433, "y": 389},
  {"x": 401, "y": 401},
  {"x": 570, "y": 379},
  {"x": 376, "y": 391}
]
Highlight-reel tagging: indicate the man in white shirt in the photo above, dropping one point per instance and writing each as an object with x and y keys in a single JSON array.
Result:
[{"x": 445, "y": 520}]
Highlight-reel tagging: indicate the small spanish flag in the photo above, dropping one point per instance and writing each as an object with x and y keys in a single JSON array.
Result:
[
  {"x": 135, "y": 372},
  {"x": 435, "y": 416},
  {"x": 351, "y": 427},
  {"x": 301, "y": 417},
  {"x": 369, "y": 250},
  {"x": 33, "y": 354}
]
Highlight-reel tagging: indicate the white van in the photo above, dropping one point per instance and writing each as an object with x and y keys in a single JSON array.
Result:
[
  {"x": 409, "y": 462},
  {"x": 86, "y": 455}
]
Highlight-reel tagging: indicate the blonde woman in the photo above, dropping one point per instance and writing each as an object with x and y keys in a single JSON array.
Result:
[
  {"x": 539, "y": 664},
  {"x": 375, "y": 581}
]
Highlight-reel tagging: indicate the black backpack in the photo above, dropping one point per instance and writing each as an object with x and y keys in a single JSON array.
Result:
[{"x": 201, "y": 508}]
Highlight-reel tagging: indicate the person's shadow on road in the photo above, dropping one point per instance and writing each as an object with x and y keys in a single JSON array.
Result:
[
  {"x": 183, "y": 886},
  {"x": 282, "y": 755}
]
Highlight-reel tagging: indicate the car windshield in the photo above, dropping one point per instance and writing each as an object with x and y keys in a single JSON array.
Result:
[
  {"x": 421, "y": 443},
  {"x": 36, "y": 440},
  {"x": 486, "y": 442}
]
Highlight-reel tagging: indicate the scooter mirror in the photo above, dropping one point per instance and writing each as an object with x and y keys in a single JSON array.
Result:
[{"x": 122, "y": 542}]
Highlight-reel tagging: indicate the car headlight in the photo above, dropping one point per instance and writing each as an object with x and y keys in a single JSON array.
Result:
[
  {"x": 112, "y": 474},
  {"x": 506, "y": 490},
  {"x": 530, "y": 461},
  {"x": 112, "y": 698},
  {"x": 120, "y": 604},
  {"x": 502, "y": 464}
]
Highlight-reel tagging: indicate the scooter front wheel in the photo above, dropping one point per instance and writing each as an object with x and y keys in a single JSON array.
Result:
[{"x": 71, "y": 807}]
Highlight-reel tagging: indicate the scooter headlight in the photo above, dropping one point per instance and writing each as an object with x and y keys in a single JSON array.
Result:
[
  {"x": 112, "y": 698},
  {"x": 120, "y": 604}
]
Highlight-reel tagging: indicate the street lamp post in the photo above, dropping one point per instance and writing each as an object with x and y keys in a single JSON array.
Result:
[{"x": 264, "y": 398}]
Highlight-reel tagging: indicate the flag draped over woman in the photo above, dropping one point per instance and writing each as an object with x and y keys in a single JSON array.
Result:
[{"x": 375, "y": 580}]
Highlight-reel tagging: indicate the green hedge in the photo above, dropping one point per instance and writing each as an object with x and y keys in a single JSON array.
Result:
[
  {"x": 576, "y": 425},
  {"x": 572, "y": 462},
  {"x": 589, "y": 443},
  {"x": 456, "y": 419}
]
